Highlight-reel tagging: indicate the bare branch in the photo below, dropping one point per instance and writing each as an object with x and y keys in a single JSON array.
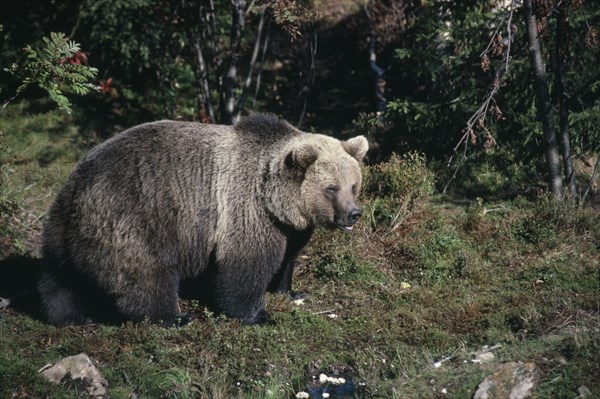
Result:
[
  {"x": 491, "y": 42},
  {"x": 478, "y": 118},
  {"x": 5, "y": 104}
]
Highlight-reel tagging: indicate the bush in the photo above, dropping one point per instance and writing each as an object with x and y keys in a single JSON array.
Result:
[
  {"x": 547, "y": 221},
  {"x": 394, "y": 188}
]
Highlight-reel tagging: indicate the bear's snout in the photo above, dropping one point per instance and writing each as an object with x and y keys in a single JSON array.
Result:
[
  {"x": 354, "y": 215},
  {"x": 348, "y": 220}
]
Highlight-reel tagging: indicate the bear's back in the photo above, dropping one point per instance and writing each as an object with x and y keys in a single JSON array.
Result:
[
  {"x": 181, "y": 141},
  {"x": 264, "y": 130}
]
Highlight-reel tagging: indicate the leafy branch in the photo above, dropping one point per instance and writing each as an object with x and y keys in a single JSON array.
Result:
[{"x": 55, "y": 69}]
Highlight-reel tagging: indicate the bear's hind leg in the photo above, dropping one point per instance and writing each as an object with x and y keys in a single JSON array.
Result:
[
  {"x": 60, "y": 304},
  {"x": 152, "y": 299}
]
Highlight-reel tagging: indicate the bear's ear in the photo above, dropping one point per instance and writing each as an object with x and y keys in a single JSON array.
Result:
[
  {"x": 357, "y": 147},
  {"x": 301, "y": 157}
]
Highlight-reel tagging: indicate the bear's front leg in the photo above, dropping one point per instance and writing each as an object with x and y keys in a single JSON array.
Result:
[
  {"x": 246, "y": 261},
  {"x": 240, "y": 293},
  {"x": 282, "y": 280},
  {"x": 241, "y": 298}
]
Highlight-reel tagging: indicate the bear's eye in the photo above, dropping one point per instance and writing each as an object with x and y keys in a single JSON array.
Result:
[
  {"x": 331, "y": 189},
  {"x": 354, "y": 189}
]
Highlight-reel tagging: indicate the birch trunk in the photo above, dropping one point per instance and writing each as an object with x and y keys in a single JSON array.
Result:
[
  {"x": 544, "y": 105},
  {"x": 562, "y": 45},
  {"x": 237, "y": 24}
]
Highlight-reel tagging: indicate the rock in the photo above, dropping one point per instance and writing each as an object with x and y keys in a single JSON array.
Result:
[
  {"x": 336, "y": 381},
  {"x": 583, "y": 392},
  {"x": 302, "y": 395},
  {"x": 484, "y": 357},
  {"x": 82, "y": 371},
  {"x": 404, "y": 285},
  {"x": 4, "y": 303},
  {"x": 512, "y": 380},
  {"x": 561, "y": 360},
  {"x": 324, "y": 379}
]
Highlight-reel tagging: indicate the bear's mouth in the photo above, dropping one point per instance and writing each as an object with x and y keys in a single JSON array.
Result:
[{"x": 342, "y": 226}]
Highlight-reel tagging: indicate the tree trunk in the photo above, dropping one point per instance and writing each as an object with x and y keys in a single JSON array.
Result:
[
  {"x": 240, "y": 104},
  {"x": 562, "y": 45},
  {"x": 265, "y": 47},
  {"x": 310, "y": 74},
  {"x": 379, "y": 72},
  {"x": 237, "y": 24},
  {"x": 203, "y": 76},
  {"x": 379, "y": 77},
  {"x": 544, "y": 104}
]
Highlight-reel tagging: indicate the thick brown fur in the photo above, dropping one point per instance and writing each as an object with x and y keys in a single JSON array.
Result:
[{"x": 225, "y": 208}]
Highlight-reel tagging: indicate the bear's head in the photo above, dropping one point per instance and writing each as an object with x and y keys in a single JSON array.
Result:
[{"x": 328, "y": 171}]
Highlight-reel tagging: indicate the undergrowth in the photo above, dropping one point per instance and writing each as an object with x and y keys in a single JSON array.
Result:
[{"x": 421, "y": 278}]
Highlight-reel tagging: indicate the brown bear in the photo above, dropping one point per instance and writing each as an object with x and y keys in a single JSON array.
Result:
[{"x": 224, "y": 209}]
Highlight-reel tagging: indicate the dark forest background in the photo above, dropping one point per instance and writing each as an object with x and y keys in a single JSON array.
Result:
[{"x": 409, "y": 74}]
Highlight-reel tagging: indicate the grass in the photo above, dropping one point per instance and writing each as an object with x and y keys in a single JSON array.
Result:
[{"x": 522, "y": 274}]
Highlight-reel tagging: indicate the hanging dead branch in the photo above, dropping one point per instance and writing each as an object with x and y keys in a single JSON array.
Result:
[{"x": 496, "y": 46}]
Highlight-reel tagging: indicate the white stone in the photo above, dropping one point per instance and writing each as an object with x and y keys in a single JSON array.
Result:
[
  {"x": 324, "y": 379},
  {"x": 485, "y": 357},
  {"x": 583, "y": 391},
  {"x": 336, "y": 381},
  {"x": 302, "y": 395},
  {"x": 79, "y": 367},
  {"x": 514, "y": 380}
]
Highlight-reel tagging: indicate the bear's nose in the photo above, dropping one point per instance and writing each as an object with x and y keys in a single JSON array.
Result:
[{"x": 354, "y": 215}]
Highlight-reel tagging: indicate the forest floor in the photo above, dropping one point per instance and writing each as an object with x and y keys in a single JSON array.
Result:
[{"x": 399, "y": 308}]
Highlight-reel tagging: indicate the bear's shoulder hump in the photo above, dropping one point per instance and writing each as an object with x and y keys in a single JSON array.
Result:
[{"x": 264, "y": 127}]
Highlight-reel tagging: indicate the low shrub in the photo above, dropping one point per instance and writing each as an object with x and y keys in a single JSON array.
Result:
[{"x": 394, "y": 188}]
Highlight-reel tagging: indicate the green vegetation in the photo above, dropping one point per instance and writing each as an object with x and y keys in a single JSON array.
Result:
[
  {"x": 54, "y": 69},
  {"x": 520, "y": 273}
]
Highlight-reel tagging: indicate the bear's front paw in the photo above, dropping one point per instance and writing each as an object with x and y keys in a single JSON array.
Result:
[
  {"x": 298, "y": 296},
  {"x": 261, "y": 317},
  {"x": 182, "y": 319}
]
